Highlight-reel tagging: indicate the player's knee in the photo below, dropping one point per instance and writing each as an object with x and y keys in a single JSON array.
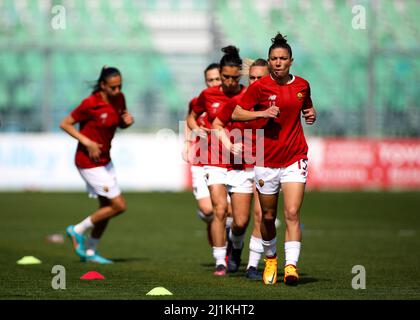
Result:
[
  {"x": 291, "y": 214},
  {"x": 220, "y": 211},
  {"x": 269, "y": 215},
  {"x": 206, "y": 210},
  {"x": 119, "y": 206},
  {"x": 241, "y": 224}
]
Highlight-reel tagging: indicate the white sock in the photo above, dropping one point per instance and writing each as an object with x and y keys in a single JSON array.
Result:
[
  {"x": 256, "y": 249},
  {"x": 83, "y": 226},
  {"x": 292, "y": 251},
  {"x": 92, "y": 245},
  {"x": 269, "y": 247},
  {"x": 219, "y": 254},
  {"x": 229, "y": 221},
  {"x": 205, "y": 218},
  {"x": 237, "y": 241}
]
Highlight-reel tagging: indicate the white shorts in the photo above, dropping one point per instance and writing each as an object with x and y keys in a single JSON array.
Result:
[
  {"x": 101, "y": 181},
  {"x": 215, "y": 175},
  {"x": 240, "y": 181},
  {"x": 200, "y": 189},
  {"x": 269, "y": 180}
]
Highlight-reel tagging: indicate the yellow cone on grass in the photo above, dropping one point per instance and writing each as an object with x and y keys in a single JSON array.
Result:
[
  {"x": 28, "y": 260},
  {"x": 159, "y": 291}
]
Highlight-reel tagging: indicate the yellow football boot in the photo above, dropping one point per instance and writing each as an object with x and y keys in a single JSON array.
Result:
[
  {"x": 290, "y": 274},
  {"x": 270, "y": 271}
]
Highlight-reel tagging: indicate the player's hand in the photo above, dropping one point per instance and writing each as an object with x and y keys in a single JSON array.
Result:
[
  {"x": 94, "y": 150},
  {"x": 236, "y": 148},
  {"x": 127, "y": 118},
  {"x": 309, "y": 115},
  {"x": 201, "y": 132},
  {"x": 271, "y": 112}
]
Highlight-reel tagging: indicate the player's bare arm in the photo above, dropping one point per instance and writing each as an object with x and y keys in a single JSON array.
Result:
[
  {"x": 93, "y": 148},
  {"x": 235, "y": 148},
  {"x": 193, "y": 125},
  {"x": 240, "y": 114}
]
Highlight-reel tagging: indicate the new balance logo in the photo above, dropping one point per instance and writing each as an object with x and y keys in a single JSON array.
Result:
[
  {"x": 272, "y": 100},
  {"x": 104, "y": 116}
]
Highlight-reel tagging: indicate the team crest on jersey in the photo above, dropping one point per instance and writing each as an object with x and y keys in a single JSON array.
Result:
[
  {"x": 261, "y": 182},
  {"x": 215, "y": 105},
  {"x": 106, "y": 189},
  {"x": 299, "y": 95}
]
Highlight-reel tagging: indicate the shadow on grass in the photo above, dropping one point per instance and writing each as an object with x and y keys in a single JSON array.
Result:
[
  {"x": 304, "y": 279},
  {"x": 132, "y": 259},
  {"x": 208, "y": 265}
]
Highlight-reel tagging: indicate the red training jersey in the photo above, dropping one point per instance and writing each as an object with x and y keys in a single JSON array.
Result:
[
  {"x": 211, "y": 100},
  {"x": 98, "y": 121},
  {"x": 202, "y": 121},
  {"x": 284, "y": 140},
  {"x": 240, "y": 132}
]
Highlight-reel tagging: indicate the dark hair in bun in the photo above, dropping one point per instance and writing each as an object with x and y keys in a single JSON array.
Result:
[
  {"x": 280, "y": 41},
  {"x": 231, "y": 57}
]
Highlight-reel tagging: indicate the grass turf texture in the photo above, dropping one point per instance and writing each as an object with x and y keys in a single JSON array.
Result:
[{"x": 159, "y": 241}]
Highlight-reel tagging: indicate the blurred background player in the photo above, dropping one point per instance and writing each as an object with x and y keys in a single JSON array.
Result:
[
  {"x": 199, "y": 184},
  {"x": 210, "y": 101},
  {"x": 99, "y": 115},
  {"x": 240, "y": 180},
  {"x": 282, "y": 97}
]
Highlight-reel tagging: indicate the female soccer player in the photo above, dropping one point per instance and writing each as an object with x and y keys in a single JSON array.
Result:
[
  {"x": 210, "y": 101},
  {"x": 200, "y": 189},
  {"x": 99, "y": 115},
  {"x": 281, "y": 97},
  {"x": 240, "y": 181}
]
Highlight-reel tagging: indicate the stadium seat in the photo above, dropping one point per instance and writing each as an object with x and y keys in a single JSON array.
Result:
[{"x": 140, "y": 36}]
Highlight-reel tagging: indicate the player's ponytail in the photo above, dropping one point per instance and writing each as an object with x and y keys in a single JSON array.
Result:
[
  {"x": 280, "y": 41},
  {"x": 106, "y": 73},
  {"x": 231, "y": 57}
]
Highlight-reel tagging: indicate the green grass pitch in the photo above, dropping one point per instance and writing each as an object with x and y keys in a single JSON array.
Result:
[{"x": 159, "y": 241}]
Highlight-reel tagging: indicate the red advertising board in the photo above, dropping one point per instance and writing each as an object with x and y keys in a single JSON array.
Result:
[
  {"x": 364, "y": 163},
  {"x": 361, "y": 164}
]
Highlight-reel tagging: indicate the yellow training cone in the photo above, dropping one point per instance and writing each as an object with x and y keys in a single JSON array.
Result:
[
  {"x": 28, "y": 260},
  {"x": 159, "y": 291}
]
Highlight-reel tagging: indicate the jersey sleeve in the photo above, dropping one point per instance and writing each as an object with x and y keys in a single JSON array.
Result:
[
  {"x": 122, "y": 107},
  {"x": 225, "y": 113},
  {"x": 251, "y": 97},
  {"x": 81, "y": 113},
  {"x": 200, "y": 106},
  {"x": 191, "y": 104},
  {"x": 307, "y": 103},
  {"x": 123, "y": 104}
]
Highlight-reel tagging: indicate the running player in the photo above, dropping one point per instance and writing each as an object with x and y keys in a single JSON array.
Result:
[
  {"x": 99, "y": 115},
  {"x": 199, "y": 184},
  {"x": 210, "y": 101},
  {"x": 240, "y": 183},
  {"x": 280, "y": 98}
]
